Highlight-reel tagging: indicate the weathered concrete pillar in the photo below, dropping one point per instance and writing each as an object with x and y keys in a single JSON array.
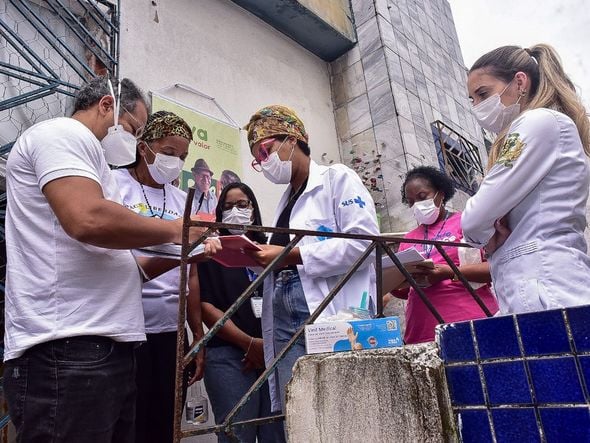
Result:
[{"x": 381, "y": 395}]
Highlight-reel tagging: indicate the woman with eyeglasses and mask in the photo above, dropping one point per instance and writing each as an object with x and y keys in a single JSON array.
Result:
[
  {"x": 529, "y": 213},
  {"x": 147, "y": 190},
  {"x": 426, "y": 190},
  {"x": 235, "y": 356},
  {"x": 318, "y": 198}
]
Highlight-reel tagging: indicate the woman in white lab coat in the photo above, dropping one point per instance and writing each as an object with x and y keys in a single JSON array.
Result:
[
  {"x": 320, "y": 198},
  {"x": 529, "y": 212}
]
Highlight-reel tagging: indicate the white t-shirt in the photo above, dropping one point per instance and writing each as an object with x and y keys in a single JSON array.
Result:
[
  {"x": 56, "y": 286},
  {"x": 159, "y": 295}
]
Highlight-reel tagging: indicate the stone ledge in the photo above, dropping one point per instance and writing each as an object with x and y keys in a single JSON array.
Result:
[{"x": 381, "y": 395}]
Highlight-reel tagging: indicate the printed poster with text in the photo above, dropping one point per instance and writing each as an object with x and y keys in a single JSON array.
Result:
[{"x": 217, "y": 143}]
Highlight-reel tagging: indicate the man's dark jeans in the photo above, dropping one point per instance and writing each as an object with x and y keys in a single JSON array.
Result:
[{"x": 77, "y": 389}]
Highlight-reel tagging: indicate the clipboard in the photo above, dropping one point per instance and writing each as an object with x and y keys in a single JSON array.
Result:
[
  {"x": 410, "y": 258},
  {"x": 233, "y": 252}
]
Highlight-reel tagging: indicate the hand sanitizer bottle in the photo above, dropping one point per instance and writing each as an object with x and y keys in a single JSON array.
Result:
[{"x": 197, "y": 406}]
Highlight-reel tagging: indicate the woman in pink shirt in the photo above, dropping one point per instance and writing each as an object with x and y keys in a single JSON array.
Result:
[{"x": 426, "y": 190}]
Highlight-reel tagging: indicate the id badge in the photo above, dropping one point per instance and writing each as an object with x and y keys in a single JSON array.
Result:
[{"x": 256, "y": 303}]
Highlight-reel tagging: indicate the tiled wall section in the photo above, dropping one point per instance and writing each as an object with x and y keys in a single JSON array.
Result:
[
  {"x": 405, "y": 72},
  {"x": 521, "y": 378}
]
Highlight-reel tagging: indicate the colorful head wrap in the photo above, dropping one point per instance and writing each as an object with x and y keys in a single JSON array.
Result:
[
  {"x": 163, "y": 124},
  {"x": 275, "y": 120}
]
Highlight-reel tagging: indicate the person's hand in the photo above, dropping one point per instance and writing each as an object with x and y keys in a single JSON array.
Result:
[
  {"x": 351, "y": 337},
  {"x": 254, "y": 357},
  {"x": 196, "y": 368},
  {"x": 433, "y": 275},
  {"x": 194, "y": 231},
  {"x": 268, "y": 254},
  {"x": 500, "y": 236}
]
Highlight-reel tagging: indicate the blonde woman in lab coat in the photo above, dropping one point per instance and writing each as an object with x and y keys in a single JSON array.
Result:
[
  {"x": 529, "y": 213},
  {"x": 319, "y": 198}
]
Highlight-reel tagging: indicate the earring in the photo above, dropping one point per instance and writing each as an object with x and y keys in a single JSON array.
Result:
[{"x": 522, "y": 93}]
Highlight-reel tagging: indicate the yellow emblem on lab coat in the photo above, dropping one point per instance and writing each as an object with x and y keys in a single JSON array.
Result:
[{"x": 511, "y": 150}]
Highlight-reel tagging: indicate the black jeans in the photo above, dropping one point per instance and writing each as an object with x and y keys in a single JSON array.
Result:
[
  {"x": 156, "y": 379},
  {"x": 77, "y": 389}
]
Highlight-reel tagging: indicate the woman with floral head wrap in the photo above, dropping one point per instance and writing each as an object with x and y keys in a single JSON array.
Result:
[
  {"x": 147, "y": 190},
  {"x": 319, "y": 198}
]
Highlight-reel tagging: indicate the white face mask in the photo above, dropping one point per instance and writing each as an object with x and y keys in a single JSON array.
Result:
[
  {"x": 493, "y": 115},
  {"x": 119, "y": 145},
  {"x": 426, "y": 212},
  {"x": 237, "y": 216},
  {"x": 165, "y": 168},
  {"x": 277, "y": 170}
]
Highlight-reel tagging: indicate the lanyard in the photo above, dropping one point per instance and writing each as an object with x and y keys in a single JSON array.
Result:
[
  {"x": 428, "y": 248},
  {"x": 251, "y": 274},
  {"x": 251, "y": 277}
]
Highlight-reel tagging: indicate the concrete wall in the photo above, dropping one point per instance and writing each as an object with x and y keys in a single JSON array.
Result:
[
  {"x": 225, "y": 52},
  {"x": 335, "y": 12}
]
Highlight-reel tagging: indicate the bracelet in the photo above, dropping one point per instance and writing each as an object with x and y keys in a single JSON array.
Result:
[{"x": 249, "y": 346}]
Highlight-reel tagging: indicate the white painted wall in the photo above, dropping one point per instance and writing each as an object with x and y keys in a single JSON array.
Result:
[{"x": 225, "y": 52}]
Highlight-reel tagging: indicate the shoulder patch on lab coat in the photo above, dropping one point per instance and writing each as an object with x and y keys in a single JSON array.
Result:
[{"x": 511, "y": 150}]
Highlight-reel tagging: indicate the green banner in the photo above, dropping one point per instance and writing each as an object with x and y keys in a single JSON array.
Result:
[{"x": 215, "y": 142}]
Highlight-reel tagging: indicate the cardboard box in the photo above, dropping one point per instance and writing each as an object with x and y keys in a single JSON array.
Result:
[{"x": 353, "y": 334}]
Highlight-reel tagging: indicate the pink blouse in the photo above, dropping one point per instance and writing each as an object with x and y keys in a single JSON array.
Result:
[{"x": 451, "y": 299}]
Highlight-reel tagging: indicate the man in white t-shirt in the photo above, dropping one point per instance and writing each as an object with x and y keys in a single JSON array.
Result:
[{"x": 73, "y": 288}]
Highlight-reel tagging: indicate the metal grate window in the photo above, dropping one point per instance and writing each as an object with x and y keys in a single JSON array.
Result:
[{"x": 458, "y": 157}]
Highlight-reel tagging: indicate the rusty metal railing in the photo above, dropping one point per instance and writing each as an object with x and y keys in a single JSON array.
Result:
[{"x": 377, "y": 244}]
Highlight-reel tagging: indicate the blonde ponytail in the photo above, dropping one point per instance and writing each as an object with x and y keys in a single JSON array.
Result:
[{"x": 557, "y": 91}]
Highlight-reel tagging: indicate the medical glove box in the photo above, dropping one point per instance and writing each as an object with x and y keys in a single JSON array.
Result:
[{"x": 350, "y": 335}]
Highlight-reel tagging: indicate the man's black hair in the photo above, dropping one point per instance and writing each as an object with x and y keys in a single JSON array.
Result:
[{"x": 91, "y": 93}]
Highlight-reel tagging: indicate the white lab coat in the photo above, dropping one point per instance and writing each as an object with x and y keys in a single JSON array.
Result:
[
  {"x": 334, "y": 199},
  {"x": 541, "y": 181}
]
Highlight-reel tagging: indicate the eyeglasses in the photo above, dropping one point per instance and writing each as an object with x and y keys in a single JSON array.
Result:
[
  {"x": 137, "y": 132},
  {"x": 202, "y": 175},
  {"x": 241, "y": 204},
  {"x": 263, "y": 153}
]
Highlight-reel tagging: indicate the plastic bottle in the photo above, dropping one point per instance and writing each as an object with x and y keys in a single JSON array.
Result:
[{"x": 197, "y": 406}]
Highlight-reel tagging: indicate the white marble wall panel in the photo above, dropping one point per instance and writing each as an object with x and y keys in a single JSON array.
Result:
[{"x": 405, "y": 73}]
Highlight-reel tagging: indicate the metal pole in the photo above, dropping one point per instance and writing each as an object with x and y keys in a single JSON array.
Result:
[
  {"x": 325, "y": 302},
  {"x": 241, "y": 299},
  {"x": 379, "y": 279},
  {"x": 414, "y": 285},
  {"x": 461, "y": 277}
]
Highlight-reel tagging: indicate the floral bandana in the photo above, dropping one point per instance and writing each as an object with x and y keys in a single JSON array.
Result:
[
  {"x": 163, "y": 124},
  {"x": 275, "y": 120}
]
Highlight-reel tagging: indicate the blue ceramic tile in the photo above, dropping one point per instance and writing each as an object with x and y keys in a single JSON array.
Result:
[
  {"x": 507, "y": 383},
  {"x": 516, "y": 424},
  {"x": 585, "y": 363},
  {"x": 474, "y": 426},
  {"x": 579, "y": 319},
  {"x": 566, "y": 424},
  {"x": 543, "y": 332},
  {"x": 496, "y": 337},
  {"x": 556, "y": 380},
  {"x": 456, "y": 343},
  {"x": 464, "y": 385}
]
